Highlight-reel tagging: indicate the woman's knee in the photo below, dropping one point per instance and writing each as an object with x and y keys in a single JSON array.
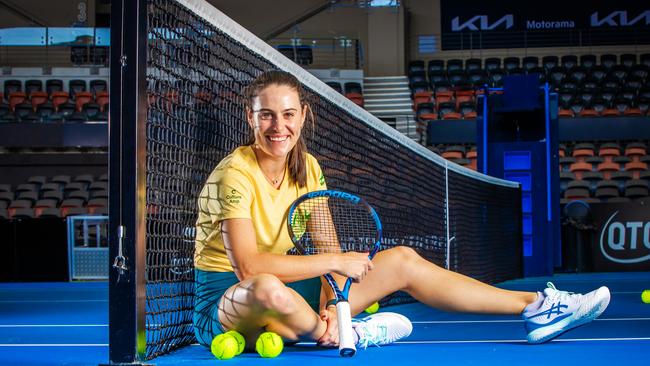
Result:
[
  {"x": 405, "y": 254},
  {"x": 270, "y": 293}
]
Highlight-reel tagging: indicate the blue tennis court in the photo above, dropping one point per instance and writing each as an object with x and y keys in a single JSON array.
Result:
[{"x": 67, "y": 324}]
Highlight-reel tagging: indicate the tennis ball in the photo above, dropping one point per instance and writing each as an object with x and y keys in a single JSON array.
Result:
[
  {"x": 645, "y": 296},
  {"x": 224, "y": 346},
  {"x": 240, "y": 340},
  {"x": 373, "y": 308},
  {"x": 269, "y": 345}
]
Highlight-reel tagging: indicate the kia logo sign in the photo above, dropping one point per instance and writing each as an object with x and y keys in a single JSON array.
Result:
[
  {"x": 625, "y": 241},
  {"x": 620, "y": 18},
  {"x": 481, "y": 22}
]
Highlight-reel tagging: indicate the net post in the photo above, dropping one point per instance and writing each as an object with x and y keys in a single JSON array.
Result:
[{"x": 127, "y": 337}]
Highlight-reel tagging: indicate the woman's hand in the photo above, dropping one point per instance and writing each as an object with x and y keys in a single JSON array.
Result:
[
  {"x": 331, "y": 336},
  {"x": 354, "y": 265}
]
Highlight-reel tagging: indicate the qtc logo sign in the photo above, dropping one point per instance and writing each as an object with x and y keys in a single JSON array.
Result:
[{"x": 624, "y": 239}]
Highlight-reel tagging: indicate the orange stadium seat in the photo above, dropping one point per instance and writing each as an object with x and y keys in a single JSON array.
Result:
[
  {"x": 462, "y": 98},
  {"x": 466, "y": 93},
  {"x": 42, "y": 204},
  {"x": 96, "y": 203},
  {"x": 607, "y": 168},
  {"x": 16, "y": 98},
  {"x": 37, "y": 98},
  {"x": 59, "y": 98},
  {"x": 454, "y": 152},
  {"x": 356, "y": 98},
  {"x": 582, "y": 151},
  {"x": 636, "y": 168},
  {"x": 579, "y": 169},
  {"x": 451, "y": 115},
  {"x": 444, "y": 93},
  {"x": 608, "y": 153},
  {"x": 633, "y": 112},
  {"x": 472, "y": 156},
  {"x": 418, "y": 99},
  {"x": 635, "y": 151},
  {"x": 469, "y": 114},
  {"x": 81, "y": 98}
]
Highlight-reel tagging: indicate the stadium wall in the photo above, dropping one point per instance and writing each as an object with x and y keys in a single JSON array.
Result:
[{"x": 59, "y": 13}]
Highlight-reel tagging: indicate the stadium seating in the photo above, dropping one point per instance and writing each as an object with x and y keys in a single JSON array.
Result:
[
  {"x": 594, "y": 172},
  {"x": 30, "y": 101},
  {"x": 351, "y": 90},
  {"x": 58, "y": 196},
  {"x": 589, "y": 86}
]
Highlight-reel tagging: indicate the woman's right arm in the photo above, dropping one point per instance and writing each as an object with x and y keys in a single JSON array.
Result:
[{"x": 241, "y": 247}]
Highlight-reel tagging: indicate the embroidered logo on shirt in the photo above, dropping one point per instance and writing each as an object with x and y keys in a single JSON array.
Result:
[
  {"x": 321, "y": 180},
  {"x": 234, "y": 197}
]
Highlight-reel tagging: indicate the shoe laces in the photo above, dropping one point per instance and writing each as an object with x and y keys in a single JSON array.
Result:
[
  {"x": 370, "y": 336},
  {"x": 557, "y": 294}
]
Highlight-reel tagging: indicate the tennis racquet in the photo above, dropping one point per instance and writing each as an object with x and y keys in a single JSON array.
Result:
[{"x": 334, "y": 222}]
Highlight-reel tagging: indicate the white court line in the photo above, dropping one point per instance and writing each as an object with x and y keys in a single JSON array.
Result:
[
  {"x": 507, "y": 341},
  {"x": 523, "y": 341},
  {"x": 54, "y": 345},
  {"x": 66, "y": 301},
  {"x": 414, "y": 322},
  {"x": 50, "y": 325},
  {"x": 313, "y": 343},
  {"x": 508, "y": 321}
]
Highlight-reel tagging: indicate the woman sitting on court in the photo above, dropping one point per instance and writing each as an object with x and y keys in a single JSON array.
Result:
[{"x": 244, "y": 280}]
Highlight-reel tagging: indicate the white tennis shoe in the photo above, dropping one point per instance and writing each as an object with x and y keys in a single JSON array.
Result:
[
  {"x": 381, "y": 329},
  {"x": 556, "y": 312}
]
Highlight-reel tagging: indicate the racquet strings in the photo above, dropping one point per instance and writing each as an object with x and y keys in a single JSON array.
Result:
[{"x": 332, "y": 225}]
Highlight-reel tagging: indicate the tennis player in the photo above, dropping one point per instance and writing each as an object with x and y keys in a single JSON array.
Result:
[{"x": 244, "y": 280}]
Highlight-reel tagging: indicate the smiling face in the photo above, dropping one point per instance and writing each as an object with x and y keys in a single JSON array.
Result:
[{"x": 276, "y": 118}]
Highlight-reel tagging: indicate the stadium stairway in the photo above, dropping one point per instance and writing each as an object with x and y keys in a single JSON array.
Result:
[{"x": 389, "y": 99}]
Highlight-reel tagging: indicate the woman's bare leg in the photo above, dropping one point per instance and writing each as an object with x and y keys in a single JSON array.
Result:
[
  {"x": 401, "y": 268},
  {"x": 264, "y": 302}
]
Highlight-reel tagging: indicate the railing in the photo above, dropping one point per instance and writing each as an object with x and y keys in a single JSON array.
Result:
[
  {"x": 545, "y": 38},
  {"x": 51, "y": 47},
  {"x": 523, "y": 42},
  {"x": 321, "y": 53},
  {"x": 88, "y": 247}
]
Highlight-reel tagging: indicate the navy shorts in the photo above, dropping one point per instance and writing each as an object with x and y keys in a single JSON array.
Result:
[{"x": 210, "y": 287}]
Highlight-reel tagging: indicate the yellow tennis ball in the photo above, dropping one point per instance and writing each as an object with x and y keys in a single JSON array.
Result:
[
  {"x": 240, "y": 340},
  {"x": 373, "y": 308},
  {"x": 269, "y": 345},
  {"x": 224, "y": 347},
  {"x": 645, "y": 296}
]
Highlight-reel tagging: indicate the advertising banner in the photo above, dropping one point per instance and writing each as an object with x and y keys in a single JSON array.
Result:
[
  {"x": 621, "y": 241},
  {"x": 473, "y": 24}
]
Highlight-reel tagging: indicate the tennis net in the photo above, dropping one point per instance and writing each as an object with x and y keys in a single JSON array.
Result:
[{"x": 198, "y": 64}]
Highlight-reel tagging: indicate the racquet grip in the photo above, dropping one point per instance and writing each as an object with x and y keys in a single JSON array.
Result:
[{"x": 346, "y": 339}]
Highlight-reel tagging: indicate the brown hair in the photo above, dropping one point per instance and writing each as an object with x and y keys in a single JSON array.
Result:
[{"x": 297, "y": 155}]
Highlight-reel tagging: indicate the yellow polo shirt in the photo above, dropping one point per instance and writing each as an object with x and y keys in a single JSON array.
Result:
[{"x": 237, "y": 189}]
